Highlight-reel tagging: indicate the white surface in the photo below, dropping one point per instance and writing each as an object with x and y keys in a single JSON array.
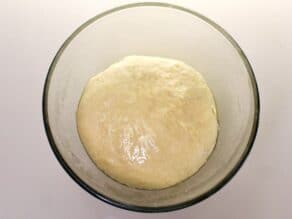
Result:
[{"x": 33, "y": 184}]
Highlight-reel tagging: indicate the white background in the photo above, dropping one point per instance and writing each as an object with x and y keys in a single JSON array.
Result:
[{"x": 33, "y": 184}]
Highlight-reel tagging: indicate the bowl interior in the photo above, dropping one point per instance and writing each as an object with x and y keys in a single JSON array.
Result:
[{"x": 154, "y": 30}]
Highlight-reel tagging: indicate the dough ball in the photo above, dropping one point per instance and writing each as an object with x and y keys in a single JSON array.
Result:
[{"x": 148, "y": 122}]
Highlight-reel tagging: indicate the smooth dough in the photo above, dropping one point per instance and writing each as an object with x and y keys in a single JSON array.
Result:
[{"x": 148, "y": 122}]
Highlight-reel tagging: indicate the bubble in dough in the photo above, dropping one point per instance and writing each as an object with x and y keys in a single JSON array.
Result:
[{"x": 148, "y": 122}]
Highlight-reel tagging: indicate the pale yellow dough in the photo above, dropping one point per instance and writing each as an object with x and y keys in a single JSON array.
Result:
[{"x": 148, "y": 122}]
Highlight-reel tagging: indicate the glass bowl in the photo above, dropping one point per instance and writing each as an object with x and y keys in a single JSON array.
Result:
[{"x": 154, "y": 29}]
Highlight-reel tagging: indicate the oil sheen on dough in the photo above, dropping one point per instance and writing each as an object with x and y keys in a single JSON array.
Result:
[{"x": 148, "y": 122}]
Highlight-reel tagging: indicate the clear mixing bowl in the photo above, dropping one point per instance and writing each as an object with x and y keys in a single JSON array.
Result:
[{"x": 153, "y": 29}]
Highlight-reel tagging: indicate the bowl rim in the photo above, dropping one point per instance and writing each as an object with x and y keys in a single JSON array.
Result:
[{"x": 137, "y": 208}]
